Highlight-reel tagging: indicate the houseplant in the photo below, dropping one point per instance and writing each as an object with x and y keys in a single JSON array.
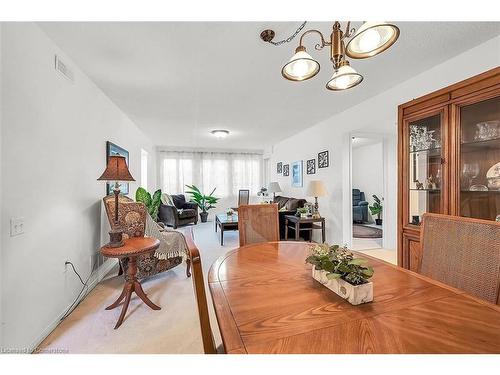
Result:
[
  {"x": 303, "y": 211},
  {"x": 376, "y": 209},
  {"x": 151, "y": 203},
  {"x": 337, "y": 269},
  {"x": 204, "y": 202}
]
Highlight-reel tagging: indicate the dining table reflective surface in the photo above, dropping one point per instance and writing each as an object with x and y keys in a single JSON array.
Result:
[{"x": 266, "y": 301}]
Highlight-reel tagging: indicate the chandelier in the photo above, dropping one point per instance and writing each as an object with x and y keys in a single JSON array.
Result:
[{"x": 369, "y": 40}]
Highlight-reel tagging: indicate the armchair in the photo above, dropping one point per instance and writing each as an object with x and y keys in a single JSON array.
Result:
[
  {"x": 175, "y": 211},
  {"x": 135, "y": 221},
  {"x": 359, "y": 207}
]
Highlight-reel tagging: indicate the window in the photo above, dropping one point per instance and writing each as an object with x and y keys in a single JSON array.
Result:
[
  {"x": 144, "y": 169},
  {"x": 228, "y": 172}
]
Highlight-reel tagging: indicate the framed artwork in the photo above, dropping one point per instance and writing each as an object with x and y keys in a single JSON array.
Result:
[
  {"x": 297, "y": 178},
  {"x": 279, "y": 167},
  {"x": 286, "y": 170},
  {"x": 311, "y": 166},
  {"x": 323, "y": 160},
  {"x": 112, "y": 149}
]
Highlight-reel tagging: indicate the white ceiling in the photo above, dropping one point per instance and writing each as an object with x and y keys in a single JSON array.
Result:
[{"x": 179, "y": 80}]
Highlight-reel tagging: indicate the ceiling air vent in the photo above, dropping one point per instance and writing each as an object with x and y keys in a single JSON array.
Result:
[{"x": 62, "y": 68}]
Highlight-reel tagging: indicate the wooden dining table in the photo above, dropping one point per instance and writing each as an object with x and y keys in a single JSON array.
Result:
[{"x": 266, "y": 301}]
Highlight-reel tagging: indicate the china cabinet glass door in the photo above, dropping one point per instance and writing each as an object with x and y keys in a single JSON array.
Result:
[
  {"x": 479, "y": 166},
  {"x": 425, "y": 168}
]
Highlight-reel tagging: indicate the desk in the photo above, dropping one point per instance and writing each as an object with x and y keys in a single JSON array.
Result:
[{"x": 267, "y": 302}]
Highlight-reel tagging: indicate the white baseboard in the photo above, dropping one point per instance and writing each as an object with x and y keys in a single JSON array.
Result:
[{"x": 96, "y": 277}]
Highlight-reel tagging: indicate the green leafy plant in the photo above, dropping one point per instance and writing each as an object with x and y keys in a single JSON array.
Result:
[
  {"x": 204, "y": 202},
  {"x": 302, "y": 210},
  {"x": 151, "y": 203},
  {"x": 376, "y": 208},
  {"x": 340, "y": 263}
]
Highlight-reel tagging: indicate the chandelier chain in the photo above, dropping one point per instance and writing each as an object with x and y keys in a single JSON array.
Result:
[{"x": 291, "y": 37}]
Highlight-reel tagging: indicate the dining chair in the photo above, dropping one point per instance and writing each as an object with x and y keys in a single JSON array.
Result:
[
  {"x": 258, "y": 223},
  {"x": 199, "y": 290},
  {"x": 463, "y": 253},
  {"x": 243, "y": 198}
]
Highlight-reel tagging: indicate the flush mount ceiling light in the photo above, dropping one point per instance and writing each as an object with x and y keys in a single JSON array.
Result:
[
  {"x": 220, "y": 133},
  {"x": 371, "y": 39}
]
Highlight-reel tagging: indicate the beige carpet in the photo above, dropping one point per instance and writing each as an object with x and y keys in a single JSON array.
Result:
[{"x": 173, "y": 329}]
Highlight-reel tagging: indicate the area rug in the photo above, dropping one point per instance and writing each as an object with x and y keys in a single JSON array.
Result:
[{"x": 364, "y": 231}]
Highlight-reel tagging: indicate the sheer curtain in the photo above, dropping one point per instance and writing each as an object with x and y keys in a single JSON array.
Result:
[{"x": 226, "y": 171}]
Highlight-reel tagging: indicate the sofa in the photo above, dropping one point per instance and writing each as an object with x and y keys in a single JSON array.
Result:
[
  {"x": 178, "y": 212},
  {"x": 288, "y": 206},
  {"x": 359, "y": 207}
]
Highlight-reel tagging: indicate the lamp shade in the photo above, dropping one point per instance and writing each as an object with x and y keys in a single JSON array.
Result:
[
  {"x": 301, "y": 66},
  {"x": 116, "y": 170},
  {"x": 344, "y": 78},
  {"x": 274, "y": 187},
  {"x": 316, "y": 188},
  {"x": 371, "y": 39}
]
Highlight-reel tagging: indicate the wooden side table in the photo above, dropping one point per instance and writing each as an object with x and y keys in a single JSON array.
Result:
[
  {"x": 298, "y": 221},
  {"x": 131, "y": 249}
]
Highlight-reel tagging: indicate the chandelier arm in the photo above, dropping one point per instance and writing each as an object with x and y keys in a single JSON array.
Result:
[
  {"x": 348, "y": 31},
  {"x": 318, "y": 46}
]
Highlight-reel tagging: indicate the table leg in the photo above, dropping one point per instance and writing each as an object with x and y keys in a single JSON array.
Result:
[
  {"x": 297, "y": 231},
  {"x": 222, "y": 235},
  {"x": 131, "y": 285},
  {"x": 216, "y": 220},
  {"x": 323, "y": 236},
  {"x": 286, "y": 229}
]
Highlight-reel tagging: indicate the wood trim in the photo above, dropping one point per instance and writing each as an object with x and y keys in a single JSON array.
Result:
[{"x": 485, "y": 79}]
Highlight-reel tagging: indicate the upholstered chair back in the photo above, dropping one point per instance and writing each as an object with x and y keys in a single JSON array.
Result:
[
  {"x": 463, "y": 253},
  {"x": 131, "y": 215}
]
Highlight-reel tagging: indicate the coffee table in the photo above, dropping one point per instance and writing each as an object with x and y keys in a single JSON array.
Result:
[
  {"x": 297, "y": 223},
  {"x": 225, "y": 223}
]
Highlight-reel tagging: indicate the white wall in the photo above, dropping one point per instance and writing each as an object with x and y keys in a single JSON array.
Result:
[
  {"x": 367, "y": 171},
  {"x": 52, "y": 151},
  {"x": 377, "y": 115}
]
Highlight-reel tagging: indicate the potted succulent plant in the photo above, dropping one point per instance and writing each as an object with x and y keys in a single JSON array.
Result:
[
  {"x": 204, "y": 202},
  {"x": 229, "y": 213},
  {"x": 376, "y": 209},
  {"x": 303, "y": 211},
  {"x": 336, "y": 268}
]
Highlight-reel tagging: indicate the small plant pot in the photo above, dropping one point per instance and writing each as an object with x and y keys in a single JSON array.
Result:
[
  {"x": 378, "y": 221},
  {"x": 354, "y": 294},
  {"x": 304, "y": 216},
  {"x": 203, "y": 217}
]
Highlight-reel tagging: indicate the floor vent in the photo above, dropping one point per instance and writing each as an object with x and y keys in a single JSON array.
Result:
[{"x": 63, "y": 69}]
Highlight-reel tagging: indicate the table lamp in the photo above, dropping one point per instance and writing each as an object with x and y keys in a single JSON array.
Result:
[
  {"x": 274, "y": 188},
  {"x": 116, "y": 171},
  {"x": 316, "y": 189}
]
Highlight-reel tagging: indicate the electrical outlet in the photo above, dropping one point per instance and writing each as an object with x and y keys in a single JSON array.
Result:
[
  {"x": 66, "y": 265},
  {"x": 16, "y": 226}
]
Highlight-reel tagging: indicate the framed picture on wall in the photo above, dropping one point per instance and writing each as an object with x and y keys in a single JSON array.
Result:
[
  {"x": 286, "y": 170},
  {"x": 311, "y": 166},
  {"x": 297, "y": 178},
  {"x": 323, "y": 159},
  {"x": 279, "y": 168},
  {"x": 112, "y": 149}
]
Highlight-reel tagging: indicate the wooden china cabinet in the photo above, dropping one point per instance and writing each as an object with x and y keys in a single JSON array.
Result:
[{"x": 449, "y": 158}]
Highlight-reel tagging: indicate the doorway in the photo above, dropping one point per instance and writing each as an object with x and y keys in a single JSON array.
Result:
[{"x": 367, "y": 187}]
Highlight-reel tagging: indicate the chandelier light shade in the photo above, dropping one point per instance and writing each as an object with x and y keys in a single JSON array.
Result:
[
  {"x": 301, "y": 66},
  {"x": 344, "y": 78},
  {"x": 220, "y": 133},
  {"x": 371, "y": 39}
]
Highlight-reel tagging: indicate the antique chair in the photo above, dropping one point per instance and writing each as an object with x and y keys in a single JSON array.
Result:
[
  {"x": 175, "y": 211},
  {"x": 258, "y": 223},
  {"x": 359, "y": 207},
  {"x": 201, "y": 297},
  {"x": 463, "y": 253},
  {"x": 135, "y": 221},
  {"x": 243, "y": 198}
]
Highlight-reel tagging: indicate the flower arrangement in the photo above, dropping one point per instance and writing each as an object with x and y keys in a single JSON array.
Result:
[
  {"x": 230, "y": 212},
  {"x": 339, "y": 263}
]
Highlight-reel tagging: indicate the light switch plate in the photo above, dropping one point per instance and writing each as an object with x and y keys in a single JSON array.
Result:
[{"x": 16, "y": 226}]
